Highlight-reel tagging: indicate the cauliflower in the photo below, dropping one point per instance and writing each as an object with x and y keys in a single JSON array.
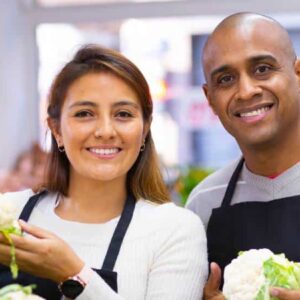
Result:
[
  {"x": 9, "y": 225},
  {"x": 18, "y": 292},
  {"x": 250, "y": 275}
]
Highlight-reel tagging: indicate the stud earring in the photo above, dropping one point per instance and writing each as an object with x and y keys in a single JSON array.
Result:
[
  {"x": 143, "y": 146},
  {"x": 61, "y": 149}
]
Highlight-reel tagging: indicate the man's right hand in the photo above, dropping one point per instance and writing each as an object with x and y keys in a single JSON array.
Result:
[{"x": 211, "y": 289}]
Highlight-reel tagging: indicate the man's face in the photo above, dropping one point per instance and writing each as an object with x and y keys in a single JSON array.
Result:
[{"x": 252, "y": 84}]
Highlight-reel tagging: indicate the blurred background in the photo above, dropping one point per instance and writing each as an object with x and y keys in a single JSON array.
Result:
[{"x": 164, "y": 39}]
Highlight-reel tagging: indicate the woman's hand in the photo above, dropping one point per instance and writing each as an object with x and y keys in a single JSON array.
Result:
[
  {"x": 211, "y": 289},
  {"x": 42, "y": 254},
  {"x": 285, "y": 294}
]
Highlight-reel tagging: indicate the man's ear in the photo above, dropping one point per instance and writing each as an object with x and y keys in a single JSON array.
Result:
[
  {"x": 54, "y": 128},
  {"x": 297, "y": 69},
  {"x": 207, "y": 95}
]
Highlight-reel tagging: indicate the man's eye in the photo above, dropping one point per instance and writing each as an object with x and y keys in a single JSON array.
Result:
[
  {"x": 225, "y": 79},
  {"x": 262, "y": 69},
  {"x": 83, "y": 114}
]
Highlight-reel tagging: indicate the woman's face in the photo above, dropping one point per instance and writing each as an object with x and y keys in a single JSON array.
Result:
[{"x": 101, "y": 127}]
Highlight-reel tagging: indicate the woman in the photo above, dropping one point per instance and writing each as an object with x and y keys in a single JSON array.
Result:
[{"x": 103, "y": 226}]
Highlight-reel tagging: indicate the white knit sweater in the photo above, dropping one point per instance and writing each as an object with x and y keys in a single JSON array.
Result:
[{"x": 163, "y": 255}]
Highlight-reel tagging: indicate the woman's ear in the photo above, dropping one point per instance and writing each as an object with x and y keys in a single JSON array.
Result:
[
  {"x": 147, "y": 125},
  {"x": 54, "y": 128}
]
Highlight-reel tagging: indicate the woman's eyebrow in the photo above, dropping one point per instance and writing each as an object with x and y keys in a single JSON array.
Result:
[{"x": 83, "y": 103}]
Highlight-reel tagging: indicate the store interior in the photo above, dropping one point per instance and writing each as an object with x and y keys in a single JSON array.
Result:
[{"x": 163, "y": 38}]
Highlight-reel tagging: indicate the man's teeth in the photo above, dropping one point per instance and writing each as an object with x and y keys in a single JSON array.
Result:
[
  {"x": 104, "y": 151},
  {"x": 255, "y": 112}
]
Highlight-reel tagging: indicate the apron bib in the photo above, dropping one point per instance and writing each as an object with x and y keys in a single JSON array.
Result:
[
  {"x": 251, "y": 225},
  {"x": 48, "y": 289}
]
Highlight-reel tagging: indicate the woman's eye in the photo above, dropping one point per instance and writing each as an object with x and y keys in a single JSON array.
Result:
[
  {"x": 83, "y": 114},
  {"x": 124, "y": 114}
]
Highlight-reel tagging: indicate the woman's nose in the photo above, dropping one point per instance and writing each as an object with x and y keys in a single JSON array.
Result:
[{"x": 105, "y": 129}]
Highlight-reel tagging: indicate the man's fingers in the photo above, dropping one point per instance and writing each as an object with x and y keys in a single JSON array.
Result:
[
  {"x": 211, "y": 289},
  {"x": 214, "y": 279},
  {"x": 285, "y": 294}
]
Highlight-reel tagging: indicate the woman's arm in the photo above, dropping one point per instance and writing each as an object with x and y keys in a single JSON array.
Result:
[
  {"x": 180, "y": 268},
  {"x": 45, "y": 255}
]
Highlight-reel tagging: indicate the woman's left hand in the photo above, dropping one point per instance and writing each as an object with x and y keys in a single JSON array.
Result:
[
  {"x": 285, "y": 294},
  {"x": 42, "y": 254}
]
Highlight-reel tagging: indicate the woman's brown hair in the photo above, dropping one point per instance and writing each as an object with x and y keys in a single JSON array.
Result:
[{"x": 144, "y": 179}]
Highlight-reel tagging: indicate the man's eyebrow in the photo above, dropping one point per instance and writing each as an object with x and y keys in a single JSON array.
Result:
[
  {"x": 220, "y": 69},
  {"x": 253, "y": 59},
  {"x": 259, "y": 58}
]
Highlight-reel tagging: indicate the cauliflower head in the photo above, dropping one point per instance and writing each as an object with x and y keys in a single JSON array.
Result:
[
  {"x": 253, "y": 272},
  {"x": 8, "y": 216},
  {"x": 18, "y": 292},
  {"x": 9, "y": 225}
]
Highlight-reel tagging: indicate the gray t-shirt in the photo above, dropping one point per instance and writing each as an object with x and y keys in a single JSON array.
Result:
[{"x": 209, "y": 194}]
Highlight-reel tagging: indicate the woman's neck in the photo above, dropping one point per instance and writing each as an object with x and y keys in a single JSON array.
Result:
[{"x": 91, "y": 201}]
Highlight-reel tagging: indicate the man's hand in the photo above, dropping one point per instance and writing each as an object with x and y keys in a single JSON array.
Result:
[
  {"x": 285, "y": 294},
  {"x": 211, "y": 289}
]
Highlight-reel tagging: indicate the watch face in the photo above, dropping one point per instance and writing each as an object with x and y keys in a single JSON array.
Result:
[{"x": 71, "y": 288}]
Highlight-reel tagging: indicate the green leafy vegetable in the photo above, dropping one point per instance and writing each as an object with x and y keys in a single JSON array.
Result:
[
  {"x": 6, "y": 232},
  {"x": 253, "y": 272}
]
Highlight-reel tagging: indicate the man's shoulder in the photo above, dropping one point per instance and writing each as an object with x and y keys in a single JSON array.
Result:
[
  {"x": 217, "y": 180},
  {"x": 209, "y": 193}
]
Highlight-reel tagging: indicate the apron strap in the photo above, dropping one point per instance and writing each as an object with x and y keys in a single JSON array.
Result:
[
  {"x": 232, "y": 183},
  {"x": 119, "y": 234},
  {"x": 28, "y": 208}
]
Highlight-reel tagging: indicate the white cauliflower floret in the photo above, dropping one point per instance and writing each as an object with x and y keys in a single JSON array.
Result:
[
  {"x": 250, "y": 275},
  {"x": 18, "y": 292},
  {"x": 7, "y": 215},
  {"x": 244, "y": 276},
  {"x": 9, "y": 225},
  {"x": 21, "y": 296}
]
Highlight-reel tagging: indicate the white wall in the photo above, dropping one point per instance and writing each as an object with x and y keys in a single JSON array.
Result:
[{"x": 18, "y": 97}]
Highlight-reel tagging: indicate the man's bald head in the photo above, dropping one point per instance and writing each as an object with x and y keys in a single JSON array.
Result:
[{"x": 243, "y": 24}]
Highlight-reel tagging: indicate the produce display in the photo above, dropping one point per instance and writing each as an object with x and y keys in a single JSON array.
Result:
[{"x": 253, "y": 272}]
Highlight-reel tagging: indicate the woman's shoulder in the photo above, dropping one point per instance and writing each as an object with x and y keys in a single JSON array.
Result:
[
  {"x": 166, "y": 215},
  {"x": 17, "y": 199}
]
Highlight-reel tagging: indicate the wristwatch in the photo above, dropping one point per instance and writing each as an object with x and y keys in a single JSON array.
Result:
[{"x": 74, "y": 286}]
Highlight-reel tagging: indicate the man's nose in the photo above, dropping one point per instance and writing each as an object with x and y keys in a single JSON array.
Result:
[{"x": 248, "y": 88}]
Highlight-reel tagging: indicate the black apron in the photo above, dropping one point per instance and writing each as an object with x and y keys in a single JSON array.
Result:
[
  {"x": 47, "y": 288},
  {"x": 251, "y": 225}
]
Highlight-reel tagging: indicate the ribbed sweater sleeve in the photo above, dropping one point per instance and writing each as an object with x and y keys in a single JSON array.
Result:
[{"x": 178, "y": 269}]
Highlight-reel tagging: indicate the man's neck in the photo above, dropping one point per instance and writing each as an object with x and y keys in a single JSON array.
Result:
[{"x": 272, "y": 160}]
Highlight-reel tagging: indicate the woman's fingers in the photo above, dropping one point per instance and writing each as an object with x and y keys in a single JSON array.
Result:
[{"x": 35, "y": 231}]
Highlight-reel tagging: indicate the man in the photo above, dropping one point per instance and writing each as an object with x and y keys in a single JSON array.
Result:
[{"x": 253, "y": 85}]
